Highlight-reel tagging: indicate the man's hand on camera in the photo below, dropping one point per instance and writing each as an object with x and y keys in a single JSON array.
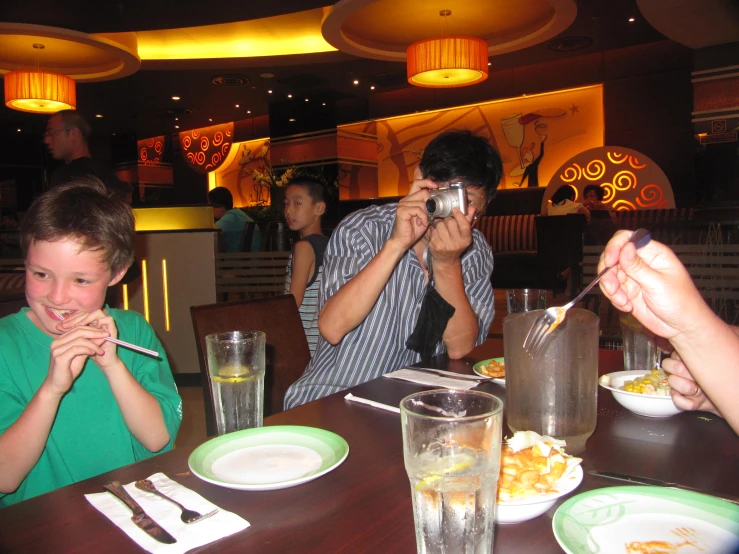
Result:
[
  {"x": 411, "y": 220},
  {"x": 452, "y": 236}
]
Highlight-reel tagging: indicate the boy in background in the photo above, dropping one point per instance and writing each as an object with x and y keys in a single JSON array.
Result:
[
  {"x": 73, "y": 405},
  {"x": 232, "y": 220},
  {"x": 305, "y": 203}
]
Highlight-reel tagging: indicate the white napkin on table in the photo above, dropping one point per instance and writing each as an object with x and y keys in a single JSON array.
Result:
[
  {"x": 407, "y": 374},
  {"x": 167, "y": 515}
]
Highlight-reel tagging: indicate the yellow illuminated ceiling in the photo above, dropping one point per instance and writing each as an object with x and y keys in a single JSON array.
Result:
[{"x": 295, "y": 33}]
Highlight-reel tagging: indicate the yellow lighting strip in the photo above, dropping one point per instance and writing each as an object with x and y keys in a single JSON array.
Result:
[
  {"x": 165, "y": 286},
  {"x": 125, "y": 297},
  {"x": 145, "y": 280}
]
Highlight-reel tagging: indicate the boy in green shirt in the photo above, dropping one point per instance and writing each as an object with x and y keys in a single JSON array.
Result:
[{"x": 73, "y": 405}]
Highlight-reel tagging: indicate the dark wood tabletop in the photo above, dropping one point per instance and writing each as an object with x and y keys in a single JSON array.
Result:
[{"x": 364, "y": 505}]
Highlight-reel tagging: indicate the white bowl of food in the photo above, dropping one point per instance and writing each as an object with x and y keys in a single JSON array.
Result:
[
  {"x": 535, "y": 472},
  {"x": 652, "y": 402}
]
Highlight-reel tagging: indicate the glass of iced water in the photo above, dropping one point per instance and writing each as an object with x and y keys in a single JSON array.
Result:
[
  {"x": 236, "y": 367},
  {"x": 451, "y": 447},
  {"x": 554, "y": 392},
  {"x": 640, "y": 345},
  {"x": 525, "y": 300}
]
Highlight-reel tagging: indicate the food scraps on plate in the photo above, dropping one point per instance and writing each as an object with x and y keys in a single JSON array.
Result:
[
  {"x": 494, "y": 369},
  {"x": 533, "y": 465}
]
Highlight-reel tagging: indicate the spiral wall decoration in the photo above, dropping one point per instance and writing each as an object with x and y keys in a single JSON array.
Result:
[
  {"x": 629, "y": 179},
  {"x": 206, "y": 148},
  {"x": 150, "y": 150}
]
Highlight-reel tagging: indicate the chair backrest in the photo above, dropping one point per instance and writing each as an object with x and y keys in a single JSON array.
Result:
[
  {"x": 246, "y": 237},
  {"x": 287, "y": 353},
  {"x": 251, "y": 274}
]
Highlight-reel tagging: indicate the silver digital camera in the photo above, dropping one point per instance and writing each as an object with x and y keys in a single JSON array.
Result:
[{"x": 441, "y": 201}]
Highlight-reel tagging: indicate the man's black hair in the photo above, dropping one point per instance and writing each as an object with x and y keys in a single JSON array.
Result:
[
  {"x": 316, "y": 189},
  {"x": 221, "y": 196},
  {"x": 599, "y": 192},
  {"x": 464, "y": 156}
]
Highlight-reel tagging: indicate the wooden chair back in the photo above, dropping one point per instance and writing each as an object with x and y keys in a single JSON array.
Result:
[
  {"x": 247, "y": 275},
  {"x": 246, "y": 237},
  {"x": 287, "y": 353}
]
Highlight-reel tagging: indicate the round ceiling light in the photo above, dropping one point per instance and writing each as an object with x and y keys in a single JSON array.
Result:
[
  {"x": 39, "y": 91},
  {"x": 447, "y": 62}
]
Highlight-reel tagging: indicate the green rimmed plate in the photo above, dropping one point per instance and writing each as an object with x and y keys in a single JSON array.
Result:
[
  {"x": 478, "y": 365},
  {"x": 637, "y": 518},
  {"x": 268, "y": 458}
]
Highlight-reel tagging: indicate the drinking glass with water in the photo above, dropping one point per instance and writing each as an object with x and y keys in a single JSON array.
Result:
[{"x": 236, "y": 368}]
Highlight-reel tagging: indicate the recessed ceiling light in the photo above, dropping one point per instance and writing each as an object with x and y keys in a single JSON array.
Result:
[
  {"x": 237, "y": 106},
  {"x": 291, "y": 119},
  {"x": 356, "y": 82},
  {"x": 176, "y": 126},
  {"x": 307, "y": 100},
  {"x": 289, "y": 95},
  {"x": 372, "y": 87},
  {"x": 175, "y": 98},
  {"x": 18, "y": 130},
  {"x": 99, "y": 115},
  {"x": 209, "y": 119},
  {"x": 248, "y": 111},
  {"x": 488, "y": 64},
  {"x": 323, "y": 104},
  {"x": 631, "y": 20},
  {"x": 176, "y": 118},
  {"x": 269, "y": 92}
]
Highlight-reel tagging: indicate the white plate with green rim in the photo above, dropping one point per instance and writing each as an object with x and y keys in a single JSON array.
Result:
[
  {"x": 646, "y": 519},
  {"x": 478, "y": 365},
  {"x": 268, "y": 458}
]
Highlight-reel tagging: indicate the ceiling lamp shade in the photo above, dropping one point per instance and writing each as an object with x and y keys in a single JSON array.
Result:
[
  {"x": 447, "y": 62},
  {"x": 39, "y": 91}
]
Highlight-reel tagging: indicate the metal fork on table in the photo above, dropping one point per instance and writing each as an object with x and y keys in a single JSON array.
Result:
[
  {"x": 187, "y": 516},
  {"x": 552, "y": 317}
]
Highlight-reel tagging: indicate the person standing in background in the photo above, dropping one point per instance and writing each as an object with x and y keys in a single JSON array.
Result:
[
  {"x": 232, "y": 220},
  {"x": 67, "y": 137}
]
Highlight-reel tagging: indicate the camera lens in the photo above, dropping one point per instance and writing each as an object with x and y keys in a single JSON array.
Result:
[{"x": 431, "y": 206}]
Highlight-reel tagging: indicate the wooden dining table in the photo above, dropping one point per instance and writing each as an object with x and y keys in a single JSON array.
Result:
[{"x": 364, "y": 505}]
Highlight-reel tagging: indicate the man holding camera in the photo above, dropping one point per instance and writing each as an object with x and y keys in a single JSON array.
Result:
[{"x": 401, "y": 285}]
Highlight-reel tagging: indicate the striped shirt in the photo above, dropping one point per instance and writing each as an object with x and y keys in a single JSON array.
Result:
[
  {"x": 309, "y": 308},
  {"x": 377, "y": 345}
]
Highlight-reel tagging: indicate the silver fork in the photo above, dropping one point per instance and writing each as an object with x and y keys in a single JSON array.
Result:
[
  {"x": 552, "y": 317},
  {"x": 187, "y": 516}
]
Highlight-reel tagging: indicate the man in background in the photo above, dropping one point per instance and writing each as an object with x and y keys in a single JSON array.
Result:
[
  {"x": 231, "y": 220},
  {"x": 67, "y": 136}
]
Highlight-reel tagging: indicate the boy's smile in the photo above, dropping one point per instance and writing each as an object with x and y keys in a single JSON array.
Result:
[{"x": 61, "y": 279}]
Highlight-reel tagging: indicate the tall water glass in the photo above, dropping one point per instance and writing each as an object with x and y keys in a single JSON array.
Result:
[
  {"x": 640, "y": 346},
  {"x": 451, "y": 447},
  {"x": 236, "y": 367},
  {"x": 554, "y": 392},
  {"x": 525, "y": 300}
]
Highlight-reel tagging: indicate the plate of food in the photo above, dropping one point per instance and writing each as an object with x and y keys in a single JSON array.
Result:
[
  {"x": 535, "y": 471},
  {"x": 268, "y": 458},
  {"x": 494, "y": 369},
  {"x": 646, "y": 519},
  {"x": 643, "y": 392}
]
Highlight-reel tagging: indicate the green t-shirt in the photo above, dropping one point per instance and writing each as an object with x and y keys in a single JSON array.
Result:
[{"x": 89, "y": 436}]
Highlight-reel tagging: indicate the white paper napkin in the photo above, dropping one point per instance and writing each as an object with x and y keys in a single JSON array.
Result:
[
  {"x": 430, "y": 379},
  {"x": 167, "y": 515}
]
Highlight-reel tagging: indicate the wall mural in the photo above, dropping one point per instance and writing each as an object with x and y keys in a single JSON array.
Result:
[
  {"x": 630, "y": 179},
  {"x": 246, "y": 173},
  {"x": 150, "y": 150},
  {"x": 205, "y": 149},
  {"x": 533, "y": 134}
]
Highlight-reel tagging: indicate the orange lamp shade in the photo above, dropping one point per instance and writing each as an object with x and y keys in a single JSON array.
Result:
[
  {"x": 39, "y": 91},
  {"x": 447, "y": 62}
]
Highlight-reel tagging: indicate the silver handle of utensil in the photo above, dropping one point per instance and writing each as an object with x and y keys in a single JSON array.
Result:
[{"x": 728, "y": 498}]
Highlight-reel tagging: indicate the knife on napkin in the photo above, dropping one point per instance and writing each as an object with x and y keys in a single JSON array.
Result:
[
  {"x": 143, "y": 521},
  {"x": 450, "y": 374},
  {"x": 658, "y": 483}
]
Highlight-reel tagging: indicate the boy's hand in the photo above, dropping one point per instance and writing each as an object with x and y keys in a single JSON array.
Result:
[
  {"x": 69, "y": 353},
  {"x": 452, "y": 236},
  {"x": 100, "y": 321},
  {"x": 686, "y": 394}
]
